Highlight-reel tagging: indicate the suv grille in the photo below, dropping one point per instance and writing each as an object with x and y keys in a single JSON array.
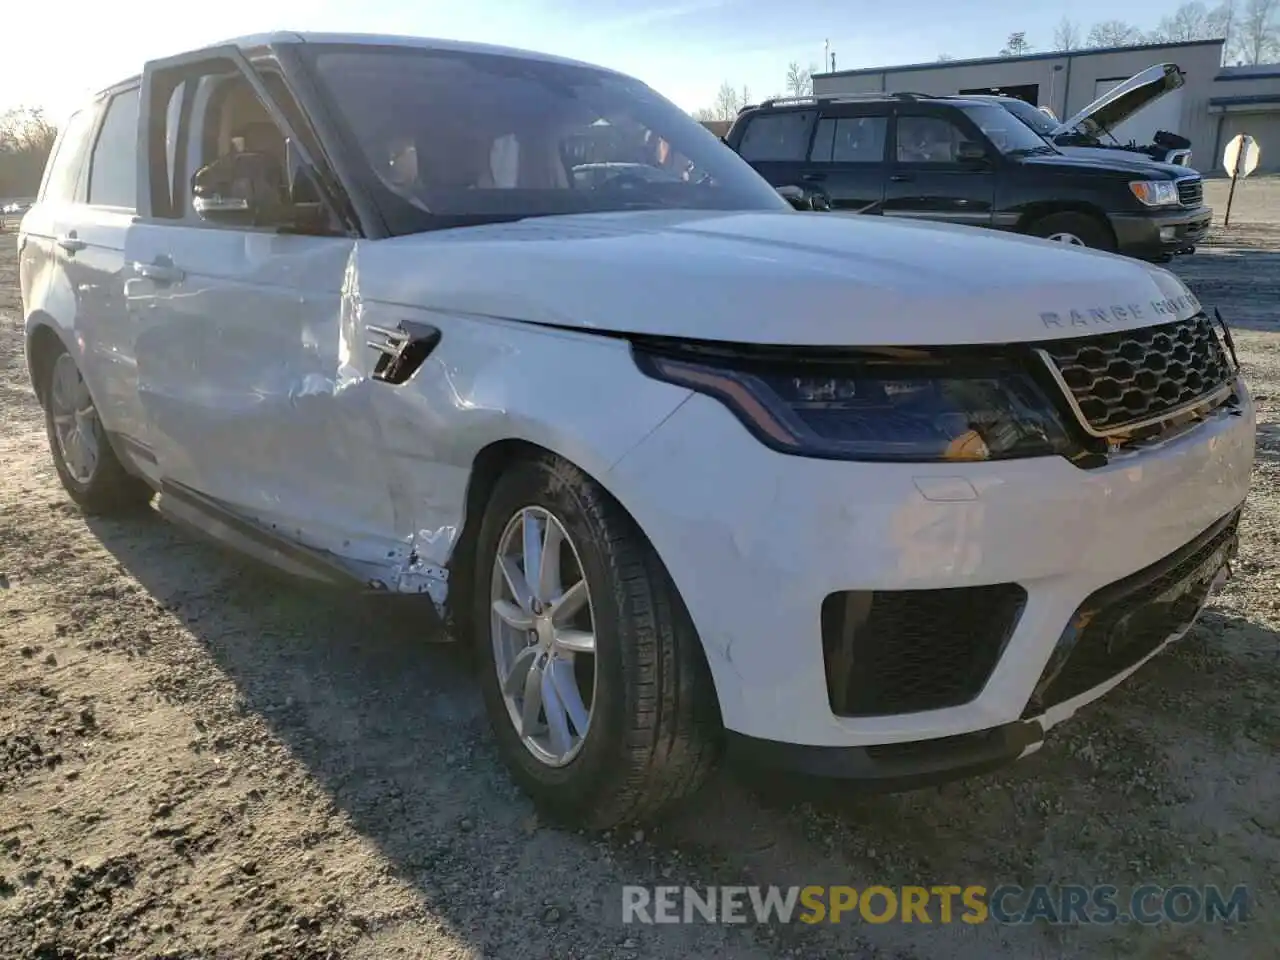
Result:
[
  {"x": 900, "y": 651},
  {"x": 1120, "y": 380},
  {"x": 1191, "y": 192},
  {"x": 1122, "y": 623}
]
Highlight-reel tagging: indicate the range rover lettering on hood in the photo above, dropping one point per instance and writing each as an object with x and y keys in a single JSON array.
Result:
[{"x": 1121, "y": 312}]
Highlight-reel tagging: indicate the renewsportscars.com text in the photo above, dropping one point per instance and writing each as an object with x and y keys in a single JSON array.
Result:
[{"x": 971, "y": 904}]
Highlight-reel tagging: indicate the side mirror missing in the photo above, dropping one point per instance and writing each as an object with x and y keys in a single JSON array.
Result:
[{"x": 970, "y": 151}]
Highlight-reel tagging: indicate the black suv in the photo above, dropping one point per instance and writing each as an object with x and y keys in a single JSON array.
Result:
[{"x": 967, "y": 162}]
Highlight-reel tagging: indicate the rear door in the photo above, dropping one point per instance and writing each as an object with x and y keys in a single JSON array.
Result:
[
  {"x": 848, "y": 157},
  {"x": 102, "y": 225},
  {"x": 777, "y": 145},
  {"x": 43, "y": 262},
  {"x": 928, "y": 179}
]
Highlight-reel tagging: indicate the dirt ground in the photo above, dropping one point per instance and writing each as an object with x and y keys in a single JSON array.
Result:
[{"x": 198, "y": 761}]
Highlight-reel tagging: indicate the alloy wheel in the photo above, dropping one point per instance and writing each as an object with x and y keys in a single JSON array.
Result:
[
  {"x": 75, "y": 420},
  {"x": 1068, "y": 238},
  {"x": 544, "y": 636}
]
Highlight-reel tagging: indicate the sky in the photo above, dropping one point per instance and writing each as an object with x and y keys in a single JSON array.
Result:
[{"x": 54, "y": 53}]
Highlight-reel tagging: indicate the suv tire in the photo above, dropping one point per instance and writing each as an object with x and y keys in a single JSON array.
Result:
[
  {"x": 653, "y": 729},
  {"x": 82, "y": 453},
  {"x": 1085, "y": 230}
]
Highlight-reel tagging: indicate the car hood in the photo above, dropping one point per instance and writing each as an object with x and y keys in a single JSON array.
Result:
[
  {"x": 1125, "y": 99},
  {"x": 1073, "y": 159},
  {"x": 769, "y": 278},
  {"x": 1107, "y": 154}
]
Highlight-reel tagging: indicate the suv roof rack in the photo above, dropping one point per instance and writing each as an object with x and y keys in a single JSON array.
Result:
[{"x": 841, "y": 98}]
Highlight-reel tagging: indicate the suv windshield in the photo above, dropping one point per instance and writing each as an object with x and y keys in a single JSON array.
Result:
[
  {"x": 1031, "y": 116},
  {"x": 447, "y": 137},
  {"x": 1007, "y": 132}
]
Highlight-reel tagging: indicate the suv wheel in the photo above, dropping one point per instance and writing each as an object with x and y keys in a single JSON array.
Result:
[
  {"x": 82, "y": 454},
  {"x": 1074, "y": 229},
  {"x": 593, "y": 676}
]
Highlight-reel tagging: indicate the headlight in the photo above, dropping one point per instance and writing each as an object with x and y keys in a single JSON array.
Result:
[
  {"x": 1155, "y": 193},
  {"x": 879, "y": 409}
]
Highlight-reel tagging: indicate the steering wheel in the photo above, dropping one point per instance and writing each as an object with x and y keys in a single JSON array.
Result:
[{"x": 624, "y": 181}]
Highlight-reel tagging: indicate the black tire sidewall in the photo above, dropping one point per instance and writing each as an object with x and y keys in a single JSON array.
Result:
[
  {"x": 600, "y": 764},
  {"x": 1095, "y": 235},
  {"x": 111, "y": 489},
  {"x": 80, "y": 492}
]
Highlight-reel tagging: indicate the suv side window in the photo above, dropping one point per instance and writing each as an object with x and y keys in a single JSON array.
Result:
[
  {"x": 113, "y": 168},
  {"x": 928, "y": 139},
  {"x": 209, "y": 113},
  {"x": 850, "y": 140},
  {"x": 63, "y": 182},
  {"x": 777, "y": 137}
]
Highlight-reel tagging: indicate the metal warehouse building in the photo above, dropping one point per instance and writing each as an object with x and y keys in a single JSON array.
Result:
[{"x": 1213, "y": 106}]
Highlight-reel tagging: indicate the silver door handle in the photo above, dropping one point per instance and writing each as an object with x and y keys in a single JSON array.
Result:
[
  {"x": 158, "y": 272},
  {"x": 71, "y": 243}
]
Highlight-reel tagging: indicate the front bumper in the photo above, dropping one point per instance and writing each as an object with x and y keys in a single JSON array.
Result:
[
  {"x": 1160, "y": 233},
  {"x": 1090, "y": 657},
  {"x": 756, "y": 541}
]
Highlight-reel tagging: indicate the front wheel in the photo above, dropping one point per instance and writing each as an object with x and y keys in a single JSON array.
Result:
[
  {"x": 593, "y": 675},
  {"x": 1075, "y": 230}
]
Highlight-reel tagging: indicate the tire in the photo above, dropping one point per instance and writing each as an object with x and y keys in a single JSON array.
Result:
[
  {"x": 1087, "y": 229},
  {"x": 654, "y": 731},
  {"x": 105, "y": 488}
]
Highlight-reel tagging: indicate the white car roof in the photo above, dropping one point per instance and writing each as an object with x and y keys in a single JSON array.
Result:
[
  {"x": 397, "y": 40},
  {"x": 281, "y": 37}
]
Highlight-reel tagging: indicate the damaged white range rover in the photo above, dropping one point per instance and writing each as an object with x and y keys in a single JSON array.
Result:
[{"x": 692, "y": 470}]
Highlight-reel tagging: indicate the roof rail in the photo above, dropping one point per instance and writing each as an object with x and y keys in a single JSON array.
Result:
[{"x": 840, "y": 98}]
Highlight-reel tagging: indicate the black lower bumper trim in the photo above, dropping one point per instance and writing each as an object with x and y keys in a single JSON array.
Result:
[{"x": 891, "y": 767}]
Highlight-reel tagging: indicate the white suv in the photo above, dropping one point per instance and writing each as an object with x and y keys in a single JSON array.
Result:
[{"x": 689, "y": 468}]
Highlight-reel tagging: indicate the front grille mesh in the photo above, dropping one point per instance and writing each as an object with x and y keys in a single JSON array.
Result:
[
  {"x": 1126, "y": 378},
  {"x": 1191, "y": 192},
  {"x": 902, "y": 651}
]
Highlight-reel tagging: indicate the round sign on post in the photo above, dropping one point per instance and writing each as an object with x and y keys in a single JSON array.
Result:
[
  {"x": 1241, "y": 156},
  {"x": 1239, "y": 160}
]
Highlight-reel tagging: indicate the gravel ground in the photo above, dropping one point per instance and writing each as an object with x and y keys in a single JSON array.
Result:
[{"x": 200, "y": 761}]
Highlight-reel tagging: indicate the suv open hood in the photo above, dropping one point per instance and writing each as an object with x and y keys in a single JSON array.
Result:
[{"x": 1124, "y": 100}]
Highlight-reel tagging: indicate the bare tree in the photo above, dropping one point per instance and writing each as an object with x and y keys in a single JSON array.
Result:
[
  {"x": 1191, "y": 21},
  {"x": 1066, "y": 35},
  {"x": 1113, "y": 33},
  {"x": 1222, "y": 23},
  {"x": 799, "y": 80},
  {"x": 944, "y": 57},
  {"x": 1016, "y": 45},
  {"x": 1258, "y": 31},
  {"x": 726, "y": 105},
  {"x": 26, "y": 139}
]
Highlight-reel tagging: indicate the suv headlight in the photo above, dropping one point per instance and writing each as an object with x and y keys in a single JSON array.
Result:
[
  {"x": 1155, "y": 193},
  {"x": 890, "y": 409}
]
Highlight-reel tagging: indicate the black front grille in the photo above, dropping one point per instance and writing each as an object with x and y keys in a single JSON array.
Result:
[
  {"x": 903, "y": 651},
  {"x": 1191, "y": 192},
  {"x": 1122, "y": 623},
  {"x": 1122, "y": 379}
]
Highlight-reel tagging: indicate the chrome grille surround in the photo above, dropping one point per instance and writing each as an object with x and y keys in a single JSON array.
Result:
[
  {"x": 1191, "y": 191},
  {"x": 1131, "y": 379}
]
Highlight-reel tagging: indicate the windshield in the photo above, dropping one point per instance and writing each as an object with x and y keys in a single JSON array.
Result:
[
  {"x": 447, "y": 137},
  {"x": 1031, "y": 116},
  {"x": 1007, "y": 132}
]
